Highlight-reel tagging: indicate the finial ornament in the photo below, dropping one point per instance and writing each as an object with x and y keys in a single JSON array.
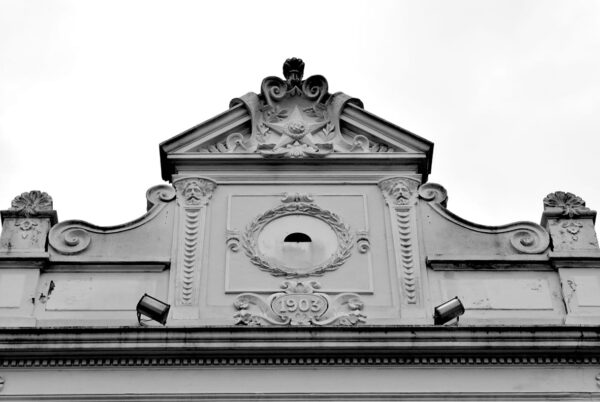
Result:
[
  {"x": 293, "y": 71},
  {"x": 569, "y": 203},
  {"x": 31, "y": 203}
]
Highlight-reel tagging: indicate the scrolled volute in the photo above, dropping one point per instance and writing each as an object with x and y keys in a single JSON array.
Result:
[
  {"x": 315, "y": 87},
  {"x": 434, "y": 192},
  {"x": 529, "y": 238},
  {"x": 70, "y": 237},
  {"x": 158, "y": 194},
  {"x": 273, "y": 89}
]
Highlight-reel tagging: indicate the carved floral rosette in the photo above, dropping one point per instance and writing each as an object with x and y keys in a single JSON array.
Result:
[
  {"x": 569, "y": 203},
  {"x": 290, "y": 207},
  {"x": 31, "y": 203},
  {"x": 299, "y": 305}
]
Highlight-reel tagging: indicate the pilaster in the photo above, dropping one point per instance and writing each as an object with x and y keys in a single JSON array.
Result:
[
  {"x": 400, "y": 195},
  {"x": 575, "y": 254},
  {"x": 23, "y": 252},
  {"x": 193, "y": 197}
]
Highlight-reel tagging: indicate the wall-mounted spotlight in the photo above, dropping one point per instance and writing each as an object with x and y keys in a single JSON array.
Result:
[
  {"x": 445, "y": 312},
  {"x": 152, "y": 308}
]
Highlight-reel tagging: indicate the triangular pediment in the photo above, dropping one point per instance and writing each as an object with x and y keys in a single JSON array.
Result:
[{"x": 295, "y": 119}]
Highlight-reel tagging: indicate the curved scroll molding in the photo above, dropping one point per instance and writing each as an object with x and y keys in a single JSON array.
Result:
[
  {"x": 73, "y": 236},
  {"x": 159, "y": 194},
  {"x": 434, "y": 192},
  {"x": 525, "y": 237}
]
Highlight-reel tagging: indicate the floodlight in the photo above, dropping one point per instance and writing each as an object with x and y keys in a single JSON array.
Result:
[
  {"x": 445, "y": 312},
  {"x": 152, "y": 308}
]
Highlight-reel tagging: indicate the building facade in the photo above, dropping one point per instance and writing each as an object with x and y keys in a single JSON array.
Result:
[{"x": 302, "y": 252}]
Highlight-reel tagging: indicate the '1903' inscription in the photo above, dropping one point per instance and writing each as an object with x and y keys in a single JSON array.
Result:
[{"x": 299, "y": 307}]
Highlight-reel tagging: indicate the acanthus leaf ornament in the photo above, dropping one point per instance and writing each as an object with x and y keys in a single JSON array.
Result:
[{"x": 299, "y": 305}]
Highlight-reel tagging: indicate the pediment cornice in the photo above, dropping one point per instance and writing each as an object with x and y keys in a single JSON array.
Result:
[{"x": 291, "y": 120}]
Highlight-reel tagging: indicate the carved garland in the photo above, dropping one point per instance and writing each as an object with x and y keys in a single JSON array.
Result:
[{"x": 342, "y": 231}]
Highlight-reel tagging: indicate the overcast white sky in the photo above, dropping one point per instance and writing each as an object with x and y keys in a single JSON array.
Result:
[{"x": 509, "y": 91}]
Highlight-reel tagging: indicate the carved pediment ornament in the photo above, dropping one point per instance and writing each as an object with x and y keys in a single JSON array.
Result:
[
  {"x": 297, "y": 204},
  {"x": 299, "y": 304},
  {"x": 194, "y": 191},
  {"x": 295, "y": 118},
  {"x": 569, "y": 203}
]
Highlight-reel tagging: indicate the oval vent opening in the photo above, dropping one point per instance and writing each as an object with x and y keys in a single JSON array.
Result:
[{"x": 297, "y": 237}]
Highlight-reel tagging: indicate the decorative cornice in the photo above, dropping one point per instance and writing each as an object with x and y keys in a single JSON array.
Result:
[
  {"x": 410, "y": 345},
  {"x": 294, "y": 360}
]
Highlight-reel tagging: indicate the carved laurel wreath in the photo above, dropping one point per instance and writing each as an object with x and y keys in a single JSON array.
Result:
[{"x": 342, "y": 231}]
